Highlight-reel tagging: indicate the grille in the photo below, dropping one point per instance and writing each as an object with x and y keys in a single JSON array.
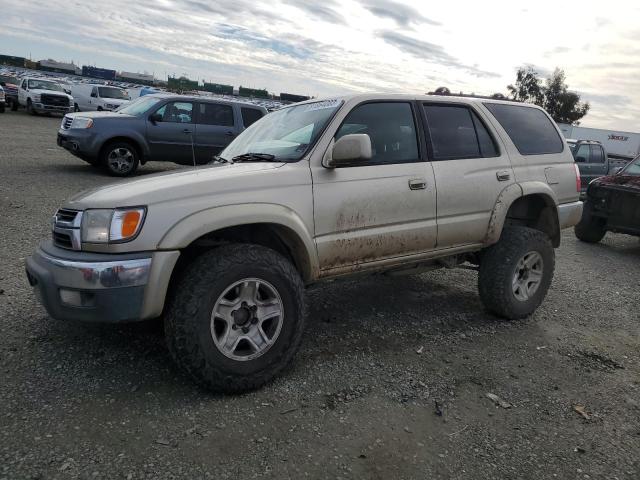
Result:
[
  {"x": 66, "y": 122},
  {"x": 54, "y": 100},
  {"x": 66, "y": 216},
  {"x": 62, "y": 240}
]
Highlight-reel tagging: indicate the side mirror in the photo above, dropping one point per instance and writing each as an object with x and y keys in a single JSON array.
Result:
[
  {"x": 581, "y": 159},
  {"x": 155, "y": 118},
  {"x": 349, "y": 151},
  {"x": 94, "y": 95}
]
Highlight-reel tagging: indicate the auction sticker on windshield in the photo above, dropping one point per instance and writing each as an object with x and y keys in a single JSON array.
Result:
[{"x": 321, "y": 105}]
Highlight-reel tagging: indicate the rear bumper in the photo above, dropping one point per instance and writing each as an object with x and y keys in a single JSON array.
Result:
[
  {"x": 100, "y": 287},
  {"x": 569, "y": 214}
]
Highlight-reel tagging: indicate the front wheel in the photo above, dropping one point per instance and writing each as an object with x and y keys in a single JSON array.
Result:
[
  {"x": 590, "y": 229},
  {"x": 120, "y": 159},
  {"x": 2, "y": 108},
  {"x": 516, "y": 272},
  {"x": 236, "y": 318},
  {"x": 30, "y": 108}
]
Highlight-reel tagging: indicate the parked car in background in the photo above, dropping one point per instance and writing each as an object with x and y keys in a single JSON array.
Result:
[
  {"x": 10, "y": 86},
  {"x": 314, "y": 191},
  {"x": 593, "y": 161},
  {"x": 39, "y": 95},
  {"x": 2, "y": 100},
  {"x": 166, "y": 128},
  {"x": 88, "y": 97},
  {"x": 612, "y": 205}
]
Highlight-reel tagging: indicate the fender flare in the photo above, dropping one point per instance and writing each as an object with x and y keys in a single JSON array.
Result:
[
  {"x": 198, "y": 224},
  {"x": 509, "y": 195}
]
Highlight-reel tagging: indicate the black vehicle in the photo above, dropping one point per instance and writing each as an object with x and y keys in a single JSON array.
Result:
[
  {"x": 158, "y": 127},
  {"x": 612, "y": 205}
]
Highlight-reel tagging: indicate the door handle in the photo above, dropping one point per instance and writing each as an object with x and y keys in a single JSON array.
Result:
[
  {"x": 417, "y": 184},
  {"x": 230, "y": 134},
  {"x": 186, "y": 130},
  {"x": 503, "y": 176}
]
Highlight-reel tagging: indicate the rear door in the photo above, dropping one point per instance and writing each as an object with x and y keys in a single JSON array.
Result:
[
  {"x": 171, "y": 137},
  {"x": 216, "y": 128},
  {"x": 382, "y": 208},
  {"x": 471, "y": 170}
]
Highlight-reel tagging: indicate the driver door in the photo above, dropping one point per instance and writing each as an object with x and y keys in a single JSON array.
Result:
[
  {"x": 171, "y": 137},
  {"x": 381, "y": 208}
]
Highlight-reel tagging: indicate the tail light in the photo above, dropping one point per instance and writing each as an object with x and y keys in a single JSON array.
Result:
[{"x": 578, "y": 181}]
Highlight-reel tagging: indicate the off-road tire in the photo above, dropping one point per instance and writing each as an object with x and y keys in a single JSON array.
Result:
[
  {"x": 590, "y": 229},
  {"x": 188, "y": 316},
  {"x": 14, "y": 105},
  {"x": 498, "y": 267},
  {"x": 107, "y": 149}
]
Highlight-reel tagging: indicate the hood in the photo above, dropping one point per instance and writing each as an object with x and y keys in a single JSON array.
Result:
[
  {"x": 115, "y": 101},
  {"x": 40, "y": 91},
  {"x": 100, "y": 114},
  {"x": 620, "y": 180},
  {"x": 171, "y": 186}
]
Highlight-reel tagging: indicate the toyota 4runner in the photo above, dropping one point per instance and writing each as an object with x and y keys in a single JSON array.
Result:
[{"x": 315, "y": 191}]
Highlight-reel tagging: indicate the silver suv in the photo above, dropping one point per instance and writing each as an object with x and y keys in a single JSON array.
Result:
[{"x": 314, "y": 191}]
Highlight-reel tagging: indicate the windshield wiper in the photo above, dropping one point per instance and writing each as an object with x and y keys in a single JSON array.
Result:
[
  {"x": 219, "y": 159},
  {"x": 254, "y": 157}
]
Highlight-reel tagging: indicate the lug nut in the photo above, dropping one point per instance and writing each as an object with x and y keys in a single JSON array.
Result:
[
  {"x": 254, "y": 320},
  {"x": 245, "y": 329},
  {"x": 234, "y": 326}
]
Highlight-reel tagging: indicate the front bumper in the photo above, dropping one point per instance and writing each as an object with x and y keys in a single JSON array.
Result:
[
  {"x": 569, "y": 214},
  {"x": 80, "y": 142},
  {"x": 100, "y": 287},
  {"x": 41, "y": 108}
]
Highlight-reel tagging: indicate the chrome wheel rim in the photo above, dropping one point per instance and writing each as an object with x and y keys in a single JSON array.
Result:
[
  {"x": 120, "y": 159},
  {"x": 527, "y": 276},
  {"x": 247, "y": 319}
]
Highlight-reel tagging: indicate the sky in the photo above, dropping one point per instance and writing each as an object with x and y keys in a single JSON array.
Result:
[{"x": 333, "y": 47}]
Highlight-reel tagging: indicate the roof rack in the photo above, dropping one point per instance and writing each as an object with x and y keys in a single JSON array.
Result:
[{"x": 445, "y": 92}]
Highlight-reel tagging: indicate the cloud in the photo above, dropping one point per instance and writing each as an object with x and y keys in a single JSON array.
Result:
[
  {"x": 402, "y": 14},
  {"x": 429, "y": 52},
  {"x": 319, "y": 12}
]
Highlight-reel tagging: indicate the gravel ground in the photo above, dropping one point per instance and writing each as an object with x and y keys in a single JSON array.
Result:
[{"x": 105, "y": 402}]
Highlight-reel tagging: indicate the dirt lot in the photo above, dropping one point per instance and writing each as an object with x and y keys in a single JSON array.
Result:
[{"x": 105, "y": 402}]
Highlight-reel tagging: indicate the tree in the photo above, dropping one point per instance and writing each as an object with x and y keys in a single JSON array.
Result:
[
  {"x": 528, "y": 87},
  {"x": 563, "y": 106}
]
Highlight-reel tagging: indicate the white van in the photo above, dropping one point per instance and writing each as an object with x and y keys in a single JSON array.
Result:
[{"x": 90, "y": 97}]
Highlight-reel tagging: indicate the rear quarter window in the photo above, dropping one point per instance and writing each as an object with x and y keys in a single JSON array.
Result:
[{"x": 531, "y": 131}]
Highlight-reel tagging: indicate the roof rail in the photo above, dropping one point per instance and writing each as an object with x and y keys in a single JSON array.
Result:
[{"x": 444, "y": 91}]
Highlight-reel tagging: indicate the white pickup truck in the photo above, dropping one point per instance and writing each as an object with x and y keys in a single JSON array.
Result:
[
  {"x": 39, "y": 95},
  {"x": 315, "y": 191},
  {"x": 89, "y": 97}
]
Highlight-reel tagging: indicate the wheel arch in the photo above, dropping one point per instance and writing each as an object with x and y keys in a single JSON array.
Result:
[
  {"x": 137, "y": 143},
  {"x": 272, "y": 226},
  {"x": 531, "y": 204}
]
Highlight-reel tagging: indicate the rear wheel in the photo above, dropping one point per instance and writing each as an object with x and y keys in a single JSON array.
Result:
[
  {"x": 590, "y": 229},
  {"x": 120, "y": 159},
  {"x": 516, "y": 272},
  {"x": 237, "y": 317}
]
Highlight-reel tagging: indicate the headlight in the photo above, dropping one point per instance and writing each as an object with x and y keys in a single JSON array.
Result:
[
  {"x": 112, "y": 226},
  {"x": 81, "y": 122}
]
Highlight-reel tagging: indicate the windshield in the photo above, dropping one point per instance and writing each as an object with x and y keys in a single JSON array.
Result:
[
  {"x": 45, "y": 85},
  {"x": 633, "y": 167},
  {"x": 287, "y": 133},
  {"x": 139, "y": 106},
  {"x": 112, "y": 92}
]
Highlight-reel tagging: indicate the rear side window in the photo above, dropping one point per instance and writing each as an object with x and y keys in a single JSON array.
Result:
[
  {"x": 597, "y": 154},
  {"x": 457, "y": 133},
  {"x": 250, "y": 116},
  {"x": 215, "y": 114},
  {"x": 531, "y": 131}
]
